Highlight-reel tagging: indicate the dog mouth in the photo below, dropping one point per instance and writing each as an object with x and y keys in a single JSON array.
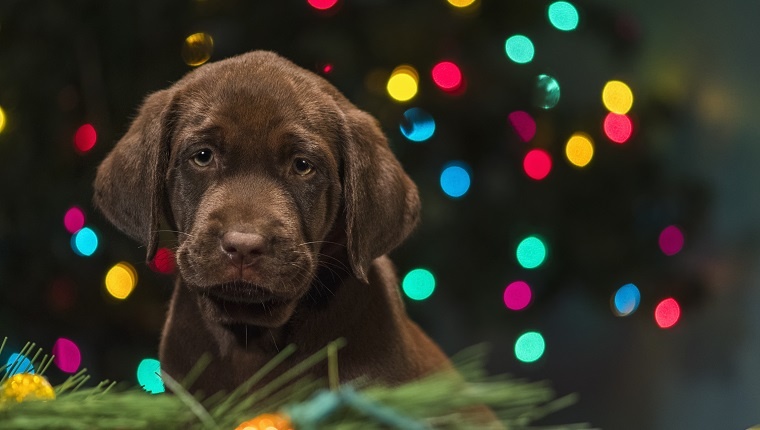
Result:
[{"x": 243, "y": 302}]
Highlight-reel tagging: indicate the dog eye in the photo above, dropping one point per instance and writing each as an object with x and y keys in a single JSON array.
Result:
[
  {"x": 302, "y": 166},
  {"x": 203, "y": 158}
]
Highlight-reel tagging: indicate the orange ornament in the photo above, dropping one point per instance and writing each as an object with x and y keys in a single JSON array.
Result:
[{"x": 267, "y": 422}]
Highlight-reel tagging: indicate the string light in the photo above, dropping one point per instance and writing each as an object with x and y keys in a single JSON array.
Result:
[
  {"x": 579, "y": 150},
  {"x": 618, "y": 128},
  {"x": 519, "y": 49},
  {"x": 85, "y": 138},
  {"x": 537, "y": 164},
  {"x": 197, "y": 49},
  {"x": 322, "y": 4},
  {"x": 148, "y": 376},
  {"x": 626, "y": 300},
  {"x": 667, "y": 313},
  {"x": 447, "y": 76},
  {"x": 524, "y": 125},
  {"x": 418, "y": 284},
  {"x": 617, "y": 97},
  {"x": 121, "y": 280},
  {"x": 73, "y": 219},
  {"x": 563, "y": 16},
  {"x": 547, "y": 92},
  {"x": 67, "y": 355},
  {"x": 84, "y": 242},
  {"x": 417, "y": 125},
  {"x": 671, "y": 240},
  {"x": 531, "y": 252},
  {"x": 455, "y": 179},
  {"x": 529, "y": 347},
  {"x": 402, "y": 85},
  {"x": 2, "y": 119},
  {"x": 517, "y": 295}
]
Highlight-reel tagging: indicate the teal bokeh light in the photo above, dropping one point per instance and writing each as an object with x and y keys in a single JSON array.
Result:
[
  {"x": 531, "y": 252},
  {"x": 529, "y": 347},
  {"x": 563, "y": 16},
  {"x": 148, "y": 372},
  {"x": 519, "y": 49},
  {"x": 84, "y": 242},
  {"x": 418, "y": 284}
]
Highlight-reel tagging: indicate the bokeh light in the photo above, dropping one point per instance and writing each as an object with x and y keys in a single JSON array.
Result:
[
  {"x": 455, "y": 179},
  {"x": 529, "y": 347},
  {"x": 418, "y": 284},
  {"x": 402, "y": 85},
  {"x": 519, "y": 49},
  {"x": 671, "y": 240},
  {"x": 84, "y": 242},
  {"x": 322, "y": 4},
  {"x": 2, "y": 119},
  {"x": 461, "y": 3},
  {"x": 537, "y": 164},
  {"x": 546, "y": 92},
  {"x": 531, "y": 252},
  {"x": 579, "y": 150},
  {"x": 73, "y": 220},
  {"x": 517, "y": 295},
  {"x": 524, "y": 125},
  {"x": 617, "y": 97},
  {"x": 626, "y": 300},
  {"x": 447, "y": 76},
  {"x": 121, "y": 280},
  {"x": 563, "y": 16},
  {"x": 163, "y": 262},
  {"x": 197, "y": 49},
  {"x": 417, "y": 125},
  {"x": 67, "y": 355},
  {"x": 85, "y": 138},
  {"x": 667, "y": 313},
  {"x": 18, "y": 363},
  {"x": 148, "y": 376},
  {"x": 618, "y": 128}
]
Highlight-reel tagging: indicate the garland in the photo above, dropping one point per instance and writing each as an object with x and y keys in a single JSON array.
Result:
[{"x": 290, "y": 402}]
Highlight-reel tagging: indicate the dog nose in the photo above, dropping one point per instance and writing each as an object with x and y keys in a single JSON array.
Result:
[{"x": 243, "y": 247}]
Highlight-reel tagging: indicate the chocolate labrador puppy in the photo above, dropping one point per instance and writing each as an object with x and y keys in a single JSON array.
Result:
[{"x": 285, "y": 199}]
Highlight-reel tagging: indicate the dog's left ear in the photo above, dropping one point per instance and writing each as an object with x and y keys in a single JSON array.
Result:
[{"x": 381, "y": 202}]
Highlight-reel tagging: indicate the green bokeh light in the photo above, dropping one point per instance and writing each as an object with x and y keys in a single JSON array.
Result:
[
  {"x": 529, "y": 347},
  {"x": 519, "y": 49},
  {"x": 418, "y": 284},
  {"x": 531, "y": 252},
  {"x": 563, "y": 16}
]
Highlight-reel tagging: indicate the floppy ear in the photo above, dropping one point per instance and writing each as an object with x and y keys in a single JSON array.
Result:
[
  {"x": 129, "y": 185},
  {"x": 381, "y": 202}
]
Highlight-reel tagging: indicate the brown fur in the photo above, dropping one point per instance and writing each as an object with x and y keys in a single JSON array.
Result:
[{"x": 316, "y": 270}]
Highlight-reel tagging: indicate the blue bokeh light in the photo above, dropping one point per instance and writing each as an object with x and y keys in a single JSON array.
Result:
[
  {"x": 455, "y": 179},
  {"x": 84, "y": 242},
  {"x": 627, "y": 299},
  {"x": 418, "y": 125},
  {"x": 18, "y": 363}
]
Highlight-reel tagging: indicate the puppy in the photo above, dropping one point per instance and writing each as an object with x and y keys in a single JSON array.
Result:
[{"x": 285, "y": 199}]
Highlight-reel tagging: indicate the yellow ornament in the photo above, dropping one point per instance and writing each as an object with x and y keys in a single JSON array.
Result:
[
  {"x": 26, "y": 386},
  {"x": 267, "y": 422}
]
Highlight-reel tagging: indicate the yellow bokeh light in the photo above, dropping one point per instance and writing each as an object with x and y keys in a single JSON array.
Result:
[
  {"x": 402, "y": 85},
  {"x": 2, "y": 119},
  {"x": 617, "y": 97},
  {"x": 121, "y": 280},
  {"x": 461, "y": 3},
  {"x": 197, "y": 49},
  {"x": 579, "y": 149}
]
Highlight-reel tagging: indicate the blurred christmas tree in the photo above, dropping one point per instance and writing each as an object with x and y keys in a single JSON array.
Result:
[{"x": 488, "y": 102}]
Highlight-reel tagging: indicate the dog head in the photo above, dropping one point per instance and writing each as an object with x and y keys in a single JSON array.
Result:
[{"x": 257, "y": 165}]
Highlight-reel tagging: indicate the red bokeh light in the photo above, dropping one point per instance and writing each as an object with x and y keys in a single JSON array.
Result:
[
  {"x": 524, "y": 125},
  {"x": 163, "y": 262},
  {"x": 618, "y": 128},
  {"x": 85, "y": 138},
  {"x": 537, "y": 164},
  {"x": 322, "y": 4},
  {"x": 667, "y": 313},
  {"x": 327, "y": 68},
  {"x": 447, "y": 76}
]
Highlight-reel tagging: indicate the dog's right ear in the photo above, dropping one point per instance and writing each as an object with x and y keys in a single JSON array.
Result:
[{"x": 129, "y": 186}]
